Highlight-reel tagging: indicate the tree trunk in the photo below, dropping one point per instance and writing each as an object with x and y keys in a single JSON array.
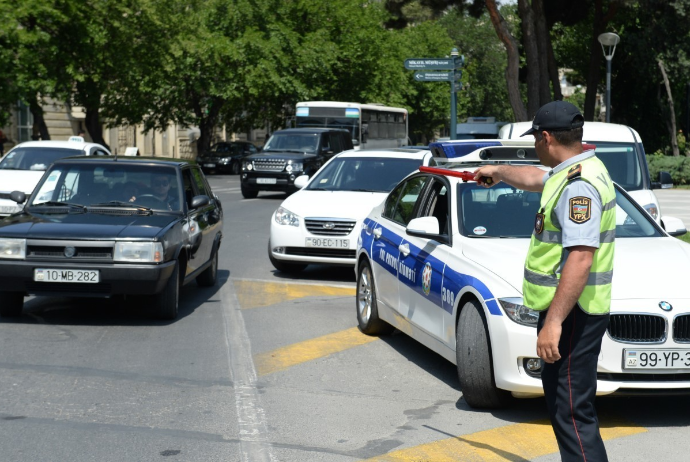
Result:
[
  {"x": 93, "y": 125},
  {"x": 40, "y": 128},
  {"x": 529, "y": 42},
  {"x": 543, "y": 47},
  {"x": 513, "y": 66},
  {"x": 672, "y": 112},
  {"x": 595, "y": 55}
]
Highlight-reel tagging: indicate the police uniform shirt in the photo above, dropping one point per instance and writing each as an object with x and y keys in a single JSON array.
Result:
[{"x": 578, "y": 196}]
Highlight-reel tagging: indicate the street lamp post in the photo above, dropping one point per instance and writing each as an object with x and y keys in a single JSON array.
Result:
[
  {"x": 453, "y": 100},
  {"x": 608, "y": 41}
]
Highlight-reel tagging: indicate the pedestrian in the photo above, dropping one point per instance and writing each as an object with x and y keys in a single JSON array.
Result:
[{"x": 568, "y": 271}]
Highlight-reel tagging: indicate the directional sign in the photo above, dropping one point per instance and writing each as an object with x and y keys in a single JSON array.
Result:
[
  {"x": 433, "y": 76},
  {"x": 458, "y": 75},
  {"x": 430, "y": 63}
]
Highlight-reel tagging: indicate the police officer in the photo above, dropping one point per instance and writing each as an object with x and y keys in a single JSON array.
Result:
[{"x": 568, "y": 271}]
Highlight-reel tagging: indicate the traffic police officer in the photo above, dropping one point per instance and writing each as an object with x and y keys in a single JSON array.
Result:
[{"x": 568, "y": 271}]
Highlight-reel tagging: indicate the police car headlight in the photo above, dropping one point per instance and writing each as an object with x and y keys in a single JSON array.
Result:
[
  {"x": 138, "y": 252},
  {"x": 652, "y": 210},
  {"x": 247, "y": 166},
  {"x": 518, "y": 312},
  {"x": 13, "y": 248},
  {"x": 286, "y": 217}
]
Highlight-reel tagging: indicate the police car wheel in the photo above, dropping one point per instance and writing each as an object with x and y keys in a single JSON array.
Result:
[
  {"x": 367, "y": 309},
  {"x": 11, "y": 304},
  {"x": 475, "y": 365}
]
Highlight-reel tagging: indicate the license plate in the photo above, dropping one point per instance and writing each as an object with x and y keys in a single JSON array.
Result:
[
  {"x": 63, "y": 275},
  {"x": 9, "y": 208},
  {"x": 656, "y": 359},
  {"x": 210, "y": 165},
  {"x": 328, "y": 243},
  {"x": 266, "y": 181}
]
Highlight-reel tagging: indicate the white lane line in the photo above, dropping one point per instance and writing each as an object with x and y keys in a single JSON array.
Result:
[
  {"x": 254, "y": 443},
  {"x": 225, "y": 189}
]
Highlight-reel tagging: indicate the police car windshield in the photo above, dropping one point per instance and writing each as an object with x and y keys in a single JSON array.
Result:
[
  {"x": 622, "y": 163},
  {"x": 374, "y": 174},
  {"x": 505, "y": 212},
  {"x": 35, "y": 158}
]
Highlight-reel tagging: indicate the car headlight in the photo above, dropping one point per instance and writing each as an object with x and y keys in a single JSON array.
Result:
[
  {"x": 652, "y": 210},
  {"x": 13, "y": 248},
  {"x": 141, "y": 252},
  {"x": 286, "y": 217},
  {"x": 294, "y": 166},
  {"x": 519, "y": 312},
  {"x": 247, "y": 166}
]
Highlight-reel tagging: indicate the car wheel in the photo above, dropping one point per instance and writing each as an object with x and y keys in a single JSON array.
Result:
[
  {"x": 283, "y": 266},
  {"x": 209, "y": 276},
  {"x": 235, "y": 169},
  {"x": 248, "y": 193},
  {"x": 367, "y": 308},
  {"x": 475, "y": 368},
  {"x": 11, "y": 304},
  {"x": 166, "y": 303}
]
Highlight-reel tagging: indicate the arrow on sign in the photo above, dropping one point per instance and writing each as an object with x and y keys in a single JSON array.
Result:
[{"x": 433, "y": 76}]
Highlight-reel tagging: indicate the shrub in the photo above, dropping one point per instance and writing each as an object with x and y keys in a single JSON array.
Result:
[{"x": 678, "y": 167}]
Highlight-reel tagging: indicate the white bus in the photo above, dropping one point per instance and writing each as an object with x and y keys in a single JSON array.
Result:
[{"x": 372, "y": 126}]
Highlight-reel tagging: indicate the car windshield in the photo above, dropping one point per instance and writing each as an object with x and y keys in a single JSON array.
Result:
[
  {"x": 302, "y": 142},
  {"x": 379, "y": 174},
  {"x": 504, "y": 211},
  {"x": 35, "y": 158},
  {"x": 622, "y": 163},
  {"x": 118, "y": 184}
]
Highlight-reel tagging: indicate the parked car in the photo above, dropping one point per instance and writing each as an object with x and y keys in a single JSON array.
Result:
[
  {"x": 226, "y": 157},
  {"x": 288, "y": 154},
  {"x": 104, "y": 226},
  {"x": 320, "y": 223},
  {"x": 442, "y": 260},
  {"x": 24, "y": 165}
]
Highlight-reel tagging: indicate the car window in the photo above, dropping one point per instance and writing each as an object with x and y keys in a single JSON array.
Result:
[
  {"x": 378, "y": 174},
  {"x": 403, "y": 210},
  {"x": 188, "y": 187},
  {"x": 199, "y": 182},
  {"x": 35, "y": 158},
  {"x": 437, "y": 205},
  {"x": 621, "y": 160}
]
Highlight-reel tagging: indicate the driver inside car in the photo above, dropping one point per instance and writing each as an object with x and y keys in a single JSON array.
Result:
[{"x": 160, "y": 190}]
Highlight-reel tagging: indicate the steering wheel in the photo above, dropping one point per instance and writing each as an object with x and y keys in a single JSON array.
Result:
[{"x": 149, "y": 200}]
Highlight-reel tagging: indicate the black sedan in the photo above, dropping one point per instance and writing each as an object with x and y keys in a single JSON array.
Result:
[
  {"x": 100, "y": 227},
  {"x": 226, "y": 157}
]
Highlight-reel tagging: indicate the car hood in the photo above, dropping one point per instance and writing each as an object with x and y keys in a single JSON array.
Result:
[
  {"x": 19, "y": 180},
  {"x": 84, "y": 226},
  {"x": 281, "y": 155},
  {"x": 333, "y": 204},
  {"x": 644, "y": 268}
]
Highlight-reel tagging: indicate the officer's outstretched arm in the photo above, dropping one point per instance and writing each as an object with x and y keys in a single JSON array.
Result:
[{"x": 526, "y": 177}]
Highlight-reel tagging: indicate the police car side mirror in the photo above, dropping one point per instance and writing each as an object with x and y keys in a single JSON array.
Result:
[
  {"x": 423, "y": 227},
  {"x": 301, "y": 181},
  {"x": 673, "y": 226},
  {"x": 18, "y": 196}
]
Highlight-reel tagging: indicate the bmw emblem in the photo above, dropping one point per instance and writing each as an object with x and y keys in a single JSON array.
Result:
[
  {"x": 666, "y": 306},
  {"x": 70, "y": 251}
]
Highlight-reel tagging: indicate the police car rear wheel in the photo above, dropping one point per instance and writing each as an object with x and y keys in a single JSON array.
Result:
[
  {"x": 11, "y": 304},
  {"x": 475, "y": 365},
  {"x": 367, "y": 309}
]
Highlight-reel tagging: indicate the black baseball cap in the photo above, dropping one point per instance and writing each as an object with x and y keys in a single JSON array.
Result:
[{"x": 556, "y": 116}]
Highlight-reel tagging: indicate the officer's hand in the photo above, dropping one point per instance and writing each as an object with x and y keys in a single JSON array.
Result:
[
  {"x": 547, "y": 342},
  {"x": 486, "y": 176}
]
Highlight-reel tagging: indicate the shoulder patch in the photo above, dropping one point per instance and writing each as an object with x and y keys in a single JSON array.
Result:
[
  {"x": 575, "y": 171},
  {"x": 580, "y": 209}
]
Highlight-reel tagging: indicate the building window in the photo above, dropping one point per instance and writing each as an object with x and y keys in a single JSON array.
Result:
[{"x": 25, "y": 122}]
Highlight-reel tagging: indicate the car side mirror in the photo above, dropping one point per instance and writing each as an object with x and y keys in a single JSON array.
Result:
[
  {"x": 18, "y": 196},
  {"x": 200, "y": 201},
  {"x": 423, "y": 227},
  {"x": 301, "y": 181},
  {"x": 355, "y": 142},
  {"x": 673, "y": 226}
]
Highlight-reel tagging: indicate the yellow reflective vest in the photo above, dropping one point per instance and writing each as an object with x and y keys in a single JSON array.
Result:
[{"x": 545, "y": 256}]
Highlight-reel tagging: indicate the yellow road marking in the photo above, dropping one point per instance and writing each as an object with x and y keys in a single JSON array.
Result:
[
  {"x": 523, "y": 441},
  {"x": 298, "y": 353},
  {"x": 256, "y": 294}
]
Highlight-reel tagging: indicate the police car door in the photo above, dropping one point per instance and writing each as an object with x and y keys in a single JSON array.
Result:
[
  {"x": 388, "y": 234},
  {"x": 423, "y": 260}
]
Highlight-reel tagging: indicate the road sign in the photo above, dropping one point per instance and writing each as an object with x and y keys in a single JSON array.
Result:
[
  {"x": 458, "y": 75},
  {"x": 433, "y": 76},
  {"x": 430, "y": 63},
  {"x": 459, "y": 62}
]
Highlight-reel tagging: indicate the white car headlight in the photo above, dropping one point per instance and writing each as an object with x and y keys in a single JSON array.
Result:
[
  {"x": 518, "y": 312},
  {"x": 286, "y": 217},
  {"x": 652, "y": 210},
  {"x": 13, "y": 248},
  {"x": 141, "y": 252}
]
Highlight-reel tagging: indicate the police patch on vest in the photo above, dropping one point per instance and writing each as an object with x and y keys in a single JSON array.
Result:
[
  {"x": 539, "y": 223},
  {"x": 580, "y": 209}
]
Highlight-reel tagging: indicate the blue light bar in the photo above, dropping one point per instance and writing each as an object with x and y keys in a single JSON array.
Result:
[{"x": 459, "y": 148}]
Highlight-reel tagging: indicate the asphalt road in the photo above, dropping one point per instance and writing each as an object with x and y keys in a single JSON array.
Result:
[{"x": 266, "y": 367}]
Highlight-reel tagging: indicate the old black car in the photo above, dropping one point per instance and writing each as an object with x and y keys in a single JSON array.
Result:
[
  {"x": 100, "y": 227},
  {"x": 288, "y": 154}
]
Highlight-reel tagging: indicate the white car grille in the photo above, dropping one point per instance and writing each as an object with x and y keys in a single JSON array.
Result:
[{"x": 329, "y": 226}]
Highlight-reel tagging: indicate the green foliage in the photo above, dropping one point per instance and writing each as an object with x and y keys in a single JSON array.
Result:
[{"x": 678, "y": 167}]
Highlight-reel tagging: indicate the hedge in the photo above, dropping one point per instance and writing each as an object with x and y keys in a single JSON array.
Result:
[{"x": 678, "y": 167}]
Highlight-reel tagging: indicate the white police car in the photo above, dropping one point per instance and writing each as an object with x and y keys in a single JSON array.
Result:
[
  {"x": 321, "y": 222},
  {"x": 24, "y": 165},
  {"x": 442, "y": 260}
]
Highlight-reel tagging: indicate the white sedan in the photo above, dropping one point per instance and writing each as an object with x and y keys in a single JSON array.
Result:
[
  {"x": 442, "y": 260},
  {"x": 321, "y": 222}
]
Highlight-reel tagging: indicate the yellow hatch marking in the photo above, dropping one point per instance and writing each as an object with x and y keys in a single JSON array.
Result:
[
  {"x": 256, "y": 294},
  {"x": 523, "y": 441},
  {"x": 298, "y": 353}
]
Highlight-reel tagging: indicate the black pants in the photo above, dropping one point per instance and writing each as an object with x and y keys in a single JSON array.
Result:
[{"x": 570, "y": 386}]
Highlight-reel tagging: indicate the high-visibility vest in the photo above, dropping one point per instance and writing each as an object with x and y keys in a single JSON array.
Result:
[{"x": 544, "y": 261}]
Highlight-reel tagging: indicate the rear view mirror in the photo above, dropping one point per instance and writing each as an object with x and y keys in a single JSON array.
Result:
[
  {"x": 673, "y": 226},
  {"x": 200, "y": 201},
  {"x": 665, "y": 181},
  {"x": 301, "y": 181},
  {"x": 423, "y": 226},
  {"x": 18, "y": 196}
]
